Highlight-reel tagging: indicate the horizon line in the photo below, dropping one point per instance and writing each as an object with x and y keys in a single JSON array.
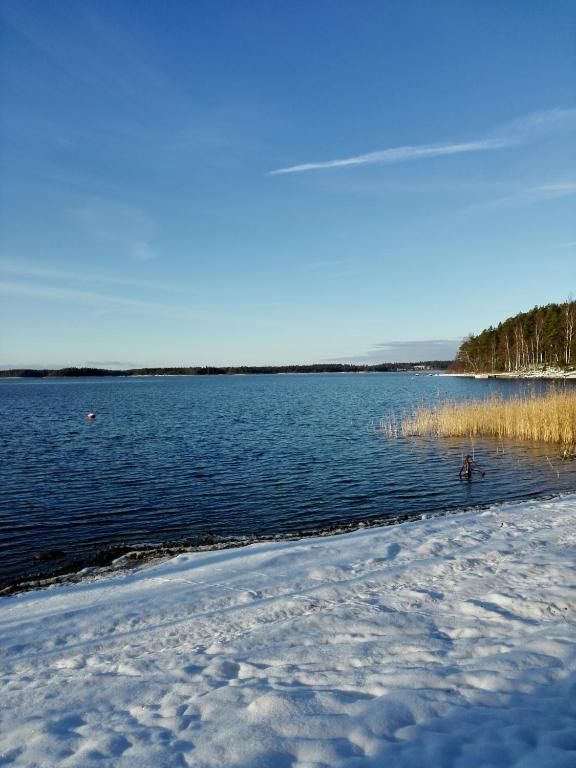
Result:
[{"x": 40, "y": 369}]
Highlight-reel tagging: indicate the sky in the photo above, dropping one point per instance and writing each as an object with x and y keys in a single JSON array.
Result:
[{"x": 226, "y": 183}]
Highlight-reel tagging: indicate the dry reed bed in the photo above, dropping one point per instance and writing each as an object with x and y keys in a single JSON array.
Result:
[{"x": 550, "y": 418}]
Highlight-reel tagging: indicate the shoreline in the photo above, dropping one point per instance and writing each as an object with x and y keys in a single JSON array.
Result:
[
  {"x": 443, "y": 641},
  {"x": 109, "y": 563},
  {"x": 138, "y": 558},
  {"x": 517, "y": 375}
]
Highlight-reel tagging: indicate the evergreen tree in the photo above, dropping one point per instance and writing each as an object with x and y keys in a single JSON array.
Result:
[{"x": 544, "y": 336}]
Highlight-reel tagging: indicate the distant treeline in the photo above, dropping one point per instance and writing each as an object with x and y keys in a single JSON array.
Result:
[
  {"x": 229, "y": 370},
  {"x": 544, "y": 336}
]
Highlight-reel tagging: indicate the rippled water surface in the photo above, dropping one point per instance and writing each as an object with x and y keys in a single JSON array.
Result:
[{"x": 196, "y": 459}]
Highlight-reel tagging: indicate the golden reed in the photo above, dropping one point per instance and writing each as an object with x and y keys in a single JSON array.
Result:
[{"x": 549, "y": 418}]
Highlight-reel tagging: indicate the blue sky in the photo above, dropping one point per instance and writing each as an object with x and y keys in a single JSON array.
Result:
[{"x": 269, "y": 182}]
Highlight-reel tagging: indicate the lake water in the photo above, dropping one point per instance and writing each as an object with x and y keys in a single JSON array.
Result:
[{"x": 201, "y": 460}]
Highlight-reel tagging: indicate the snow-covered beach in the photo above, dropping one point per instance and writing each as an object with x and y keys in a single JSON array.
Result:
[{"x": 445, "y": 642}]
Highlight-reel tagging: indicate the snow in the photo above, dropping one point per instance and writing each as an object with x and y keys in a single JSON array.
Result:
[{"x": 443, "y": 642}]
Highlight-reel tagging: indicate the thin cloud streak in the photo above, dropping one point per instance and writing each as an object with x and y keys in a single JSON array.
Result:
[
  {"x": 90, "y": 298},
  {"x": 328, "y": 263},
  {"x": 552, "y": 191},
  {"x": 534, "y": 194},
  {"x": 108, "y": 303},
  {"x": 400, "y": 155},
  {"x": 513, "y": 134},
  {"x": 24, "y": 270},
  {"x": 542, "y": 123}
]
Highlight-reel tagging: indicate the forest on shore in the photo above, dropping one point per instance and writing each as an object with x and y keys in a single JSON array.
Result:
[{"x": 544, "y": 337}]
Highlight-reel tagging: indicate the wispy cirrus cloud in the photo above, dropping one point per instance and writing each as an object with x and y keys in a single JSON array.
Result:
[
  {"x": 94, "y": 299},
  {"x": 535, "y": 194},
  {"x": 398, "y": 155},
  {"x": 141, "y": 250},
  {"x": 28, "y": 270},
  {"x": 328, "y": 263},
  {"x": 121, "y": 225},
  {"x": 524, "y": 130}
]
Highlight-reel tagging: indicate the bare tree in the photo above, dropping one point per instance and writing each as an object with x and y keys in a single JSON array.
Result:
[
  {"x": 508, "y": 357},
  {"x": 520, "y": 345},
  {"x": 569, "y": 316},
  {"x": 538, "y": 328},
  {"x": 493, "y": 352}
]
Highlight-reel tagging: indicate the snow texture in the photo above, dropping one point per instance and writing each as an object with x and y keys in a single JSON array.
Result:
[{"x": 442, "y": 642}]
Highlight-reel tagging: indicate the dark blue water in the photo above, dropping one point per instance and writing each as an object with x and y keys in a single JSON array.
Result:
[{"x": 205, "y": 459}]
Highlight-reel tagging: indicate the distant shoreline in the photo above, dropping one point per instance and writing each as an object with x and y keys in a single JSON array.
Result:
[
  {"x": 210, "y": 370},
  {"x": 432, "y": 367}
]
